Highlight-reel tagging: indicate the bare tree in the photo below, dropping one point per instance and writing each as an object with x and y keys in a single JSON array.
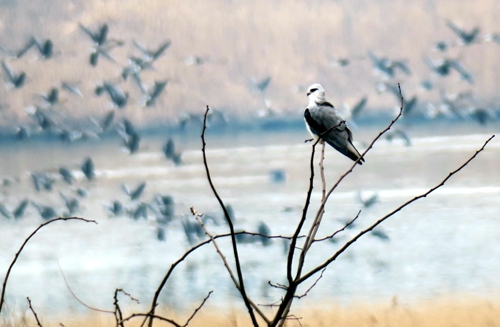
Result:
[{"x": 297, "y": 253}]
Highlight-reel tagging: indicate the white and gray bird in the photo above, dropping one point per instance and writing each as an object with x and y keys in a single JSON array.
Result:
[{"x": 321, "y": 116}]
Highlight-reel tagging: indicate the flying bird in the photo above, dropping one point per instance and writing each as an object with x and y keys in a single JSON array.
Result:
[
  {"x": 46, "y": 48},
  {"x": 16, "y": 79},
  {"x": 444, "y": 67},
  {"x": 117, "y": 96},
  {"x": 135, "y": 193},
  {"x": 88, "y": 169},
  {"x": 67, "y": 175},
  {"x": 151, "y": 94},
  {"x": 466, "y": 37},
  {"x": 322, "y": 118},
  {"x": 101, "y": 44},
  {"x": 387, "y": 66}
]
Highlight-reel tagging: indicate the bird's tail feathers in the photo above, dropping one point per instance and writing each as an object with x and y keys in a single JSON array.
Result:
[{"x": 353, "y": 153}]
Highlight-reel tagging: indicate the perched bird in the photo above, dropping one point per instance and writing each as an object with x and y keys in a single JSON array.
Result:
[
  {"x": 88, "y": 169},
  {"x": 135, "y": 193},
  {"x": 16, "y": 79},
  {"x": 466, "y": 37},
  {"x": 322, "y": 117}
]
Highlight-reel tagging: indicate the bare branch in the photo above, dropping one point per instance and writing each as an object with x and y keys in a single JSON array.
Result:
[
  {"x": 338, "y": 230},
  {"x": 378, "y": 222},
  {"x": 151, "y": 316},
  {"x": 312, "y": 286},
  {"x": 229, "y": 222},
  {"x": 34, "y": 313},
  {"x": 22, "y": 247},
  {"x": 226, "y": 264},
  {"x": 277, "y": 285},
  {"x": 118, "y": 311},
  {"x": 191, "y": 250},
  {"x": 198, "y": 308},
  {"x": 76, "y": 297}
]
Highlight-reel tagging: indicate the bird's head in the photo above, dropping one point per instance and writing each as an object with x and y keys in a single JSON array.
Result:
[{"x": 316, "y": 93}]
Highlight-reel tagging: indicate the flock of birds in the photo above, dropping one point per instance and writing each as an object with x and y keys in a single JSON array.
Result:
[
  {"x": 462, "y": 105},
  {"x": 162, "y": 206}
]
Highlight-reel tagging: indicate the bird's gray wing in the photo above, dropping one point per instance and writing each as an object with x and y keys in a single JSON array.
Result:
[
  {"x": 325, "y": 118},
  {"x": 321, "y": 118},
  {"x": 454, "y": 27}
]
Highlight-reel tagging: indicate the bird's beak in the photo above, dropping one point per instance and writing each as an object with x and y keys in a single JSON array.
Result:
[{"x": 308, "y": 93}]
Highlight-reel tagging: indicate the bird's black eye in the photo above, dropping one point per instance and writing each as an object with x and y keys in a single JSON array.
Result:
[{"x": 313, "y": 90}]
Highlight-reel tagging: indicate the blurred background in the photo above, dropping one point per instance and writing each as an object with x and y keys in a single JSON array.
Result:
[{"x": 101, "y": 108}]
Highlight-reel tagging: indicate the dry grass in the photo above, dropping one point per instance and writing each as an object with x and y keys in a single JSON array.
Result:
[
  {"x": 290, "y": 40},
  {"x": 449, "y": 312}
]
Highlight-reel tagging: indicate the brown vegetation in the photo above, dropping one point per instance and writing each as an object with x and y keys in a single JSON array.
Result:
[{"x": 291, "y": 40}]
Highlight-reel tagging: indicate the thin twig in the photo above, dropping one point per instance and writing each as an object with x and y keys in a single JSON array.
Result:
[
  {"x": 277, "y": 285},
  {"x": 34, "y": 313},
  {"x": 230, "y": 224},
  {"x": 226, "y": 264},
  {"x": 22, "y": 247},
  {"x": 118, "y": 311},
  {"x": 378, "y": 222},
  {"x": 198, "y": 308},
  {"x": 312, "y": 286},
  {"x": 151, "y": 316},
  {"x": 338, "y": 230},
  {"x": 76, "y": 297}
]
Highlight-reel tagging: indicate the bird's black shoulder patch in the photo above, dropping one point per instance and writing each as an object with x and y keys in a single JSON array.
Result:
[
  {"x": 315, "y": 127},
  {"x": 327, "y": 104}
]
